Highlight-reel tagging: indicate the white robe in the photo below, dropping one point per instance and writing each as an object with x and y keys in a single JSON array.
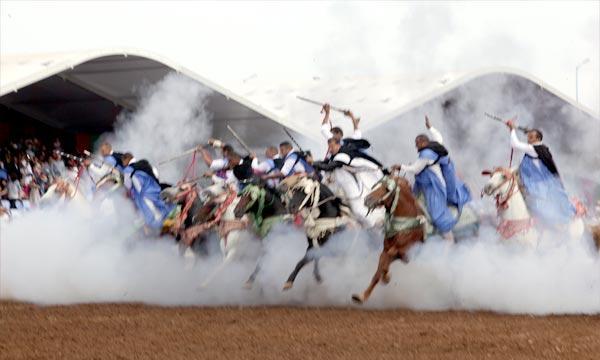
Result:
[{"x": 356, "y": 179}]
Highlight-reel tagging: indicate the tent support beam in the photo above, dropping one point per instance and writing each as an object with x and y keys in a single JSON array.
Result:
[
  {"x": 114, "y": 99},
  {"x": 26, "y": 110}
]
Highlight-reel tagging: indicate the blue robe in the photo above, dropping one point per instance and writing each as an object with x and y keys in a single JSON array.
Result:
[
  {"x": 436, "y": 197},
  {"x": 545, "y": 195},
  {"x": 110, "y": 160},
  {"x": 457, "y": 192},
  {"x": 297, "y": 160},
  {"x": 147, "y": 198}
]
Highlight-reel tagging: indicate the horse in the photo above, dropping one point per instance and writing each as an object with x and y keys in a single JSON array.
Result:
[
  {"x": 266, "y": 208},
  {"x": 211, "y": 208},
  {"x": 595, "y": 231},
  {"x": 322, "y": 213},
  {"x": 516, "y": 222},
  {"x": 404, "y": 226},
  {"x": 62, "y": 192},
  {"x": 198, "y": 212},
  {"x": 352, "y": 184}
]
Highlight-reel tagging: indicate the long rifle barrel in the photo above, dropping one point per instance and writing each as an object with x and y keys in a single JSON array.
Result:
[
  {"x": 239, "y": 139},
  {"x": 187, "y": 152},
  {"x": 320, "y": 104},
  {"x": 499, "y": 119},
  {"x": 292, "y": 138}
]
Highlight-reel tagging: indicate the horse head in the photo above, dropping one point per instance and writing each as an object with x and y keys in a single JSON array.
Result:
[
  {"x": 110, "y": 181},
  {"x": 300, "y": 192},
  {"x": 500, "y": 182},
  {"x": 252, "y": 195},
  {"x": 381, "y": 192}
]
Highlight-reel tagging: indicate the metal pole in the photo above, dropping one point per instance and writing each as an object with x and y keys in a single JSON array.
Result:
[
  {"x": 585, "y": 61},
  {"x": 577, "y": 84}
]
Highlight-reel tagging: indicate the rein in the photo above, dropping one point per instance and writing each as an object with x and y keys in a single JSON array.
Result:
[
  {"x": 502, "y": 203},
  {"x": 395, "y": 224},
  {"x": 190, "y": 234}
]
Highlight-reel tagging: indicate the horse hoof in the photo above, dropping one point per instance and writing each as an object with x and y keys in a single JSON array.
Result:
[
  {"x": 288, "y": 285},
  {"x": 358, "y": 299},
  {"x": 318, "y": 279},
  {"x": 248, "y": 285},
  {"x": 385, "y": 279}
]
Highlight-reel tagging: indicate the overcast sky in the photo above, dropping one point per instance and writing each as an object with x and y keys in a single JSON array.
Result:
[{"x": 289, "y": 41}]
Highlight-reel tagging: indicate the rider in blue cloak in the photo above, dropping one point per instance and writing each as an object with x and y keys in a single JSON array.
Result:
[
  {"x": 143, "y": 186},
  {"x": 436, "y": 180},
  {"x": 545, "y": 194}
]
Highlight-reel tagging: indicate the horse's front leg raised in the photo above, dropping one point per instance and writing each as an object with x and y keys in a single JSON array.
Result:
[
  {"x": 305, "y": 260},
  {"x": 382, "y": 268}
]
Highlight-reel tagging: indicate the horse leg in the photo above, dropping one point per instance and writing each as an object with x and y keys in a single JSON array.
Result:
[
  {"x": 316, "y": 272},
  {"x": 382, "y": 267},
  {"x": 227, "y": 260},
  {"x": 385, "y": 271},
  {"x": 290, "y": 281},
  {"x": 252, "y": 277}
]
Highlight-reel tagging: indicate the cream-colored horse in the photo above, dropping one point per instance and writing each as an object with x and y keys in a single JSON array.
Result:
[
  {"x": 515, "y": 221},
  {"x": 62, "y": 192}
]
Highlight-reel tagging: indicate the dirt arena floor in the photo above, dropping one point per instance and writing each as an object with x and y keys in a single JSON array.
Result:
[{"x": 131, "y": 331}]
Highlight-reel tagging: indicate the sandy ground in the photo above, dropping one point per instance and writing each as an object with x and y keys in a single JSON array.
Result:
[{"x": 133, "y": 331}]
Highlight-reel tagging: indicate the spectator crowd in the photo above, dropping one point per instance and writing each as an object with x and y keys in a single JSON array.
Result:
[{"x": 28, "y": 167}]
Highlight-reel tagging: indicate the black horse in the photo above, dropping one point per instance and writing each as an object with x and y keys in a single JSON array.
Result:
[
  {"x": 321, "y": 210},
  {"x": 266, "y": 208}
]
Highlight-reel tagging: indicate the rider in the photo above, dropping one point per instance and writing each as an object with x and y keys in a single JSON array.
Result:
[
  {"x": 141, "y": 180},
  {"x": 111, "y": 158},
  {"x": 294, "y": 162},
  {"x": 328, "y": 131},
  {"x": 218, "y": 168},
  {"x": 436, "y": 179},
  {"x": 545, "y": 194},
  {"x": 241, "y": 168},
  {"x": 363, "y": 170},
  {"x": 273, "y": 163}
]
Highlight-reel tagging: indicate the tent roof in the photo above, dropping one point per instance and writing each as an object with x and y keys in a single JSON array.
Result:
[
  {"x": 93, "y": 86},
  {"x": 106, "y": 79}
]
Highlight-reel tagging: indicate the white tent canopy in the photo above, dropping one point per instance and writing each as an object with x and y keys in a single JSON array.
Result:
[{"x": 85, "y": 90}]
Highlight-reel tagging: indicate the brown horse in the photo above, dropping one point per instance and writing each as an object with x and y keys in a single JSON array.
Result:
[
  {"x": 595, "y": 230},
  {"x": 404, "y": 226}
]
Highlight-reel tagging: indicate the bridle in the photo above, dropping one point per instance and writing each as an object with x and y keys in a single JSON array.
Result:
[
  {"x": 502, "y": 201},
  {"x": 392, "y": 188}
]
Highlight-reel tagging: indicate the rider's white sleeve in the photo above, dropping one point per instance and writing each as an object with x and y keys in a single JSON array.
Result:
[
  {"x": 262, "y": 167},
  {"x": 218, "y": 164},
  {"x": 343, "y": 158},
  {"x": 326, "y": 131},
  {"x": 521, "y": 146},
  {"x": 436, "y": 135},
  {"x": 417, "y": 166}
]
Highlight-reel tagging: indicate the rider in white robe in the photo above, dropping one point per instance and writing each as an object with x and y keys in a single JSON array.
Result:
[{"x": 355, "y": 173}]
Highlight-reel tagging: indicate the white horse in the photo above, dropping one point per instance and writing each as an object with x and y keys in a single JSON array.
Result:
[
  {"x": 234, "y": 238},
  {"x": 516, "y": 223},
  {"x": 352, "y": 184},
  {"x": 63, "y": 192}
]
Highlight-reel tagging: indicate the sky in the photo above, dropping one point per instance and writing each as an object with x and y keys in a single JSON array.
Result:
[{"x": 295, "y": 44}]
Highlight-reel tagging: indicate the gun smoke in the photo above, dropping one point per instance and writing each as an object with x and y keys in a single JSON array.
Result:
[{"x": 71, "y": 256}]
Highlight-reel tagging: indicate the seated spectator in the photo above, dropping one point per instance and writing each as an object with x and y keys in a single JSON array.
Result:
[{"x": 15, "y": 191}]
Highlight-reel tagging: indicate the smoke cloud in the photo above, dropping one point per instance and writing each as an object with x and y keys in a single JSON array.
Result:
[
  {"x": 63, "y": 256},
  {"x": 170, "y": 119}
]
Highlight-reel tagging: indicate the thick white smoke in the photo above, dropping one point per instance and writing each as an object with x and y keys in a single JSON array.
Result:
[
  {"x": 170, "y": 119},
  {"x": 63, "y": 255}
]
